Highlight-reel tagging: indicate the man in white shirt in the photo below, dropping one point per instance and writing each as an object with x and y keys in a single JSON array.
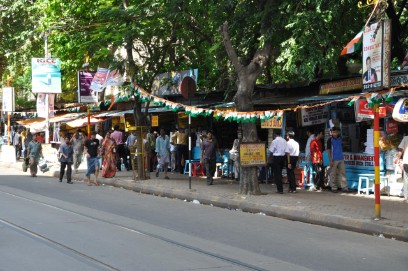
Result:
[
  {"x": 277, "y": 151},
  {"x": 292, "y": 154}
]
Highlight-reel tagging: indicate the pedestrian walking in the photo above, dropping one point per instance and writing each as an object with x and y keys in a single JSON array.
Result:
[
  {"x": 316, "y": 154},
  {"x": 34, "y": 149},
  {"x": 292, "y": 154},
  {"x": 337, "y": 166},
  {"x": 208, "y": 156},
  {"x": 77, "y": 142},
  {"x": 66, "y": 152},
  {"x": 109, "y": 157},
  {"x": 17, "y": 143},
  {"x": 277, "y": 154},
  {"x": 92, "y": 153},
  {"x": 308, "y": 160},
  {"x": 163, "y": 153}
]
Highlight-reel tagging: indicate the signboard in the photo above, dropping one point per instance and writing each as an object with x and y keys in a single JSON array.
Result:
[
  {"x": 363, "y": 111},
  {"x": 376, "y": 56},
  {"x": 391, "y": 126},
  {"x": 98, "y": 82},
  {"x": 400, "y": 112},
  {"x": 42, "y": 105},
  {"x": 340, "y": 86},
  {"x": 359, "y": 160},
  {"x": 182, "y": 119},
  {"x": 8, "y": 99},
  {"x": 168, "y": 83},
  {"x": 252, "y": 154},
  {"x": 155, "y": 121},
  {"x": 85, "y": 94},
  {"x": 130, "y": 123},
  {"x": 46, "y": 75},
  {"x": 314, "y": 115},
  {"x": 272, "y": 123}
]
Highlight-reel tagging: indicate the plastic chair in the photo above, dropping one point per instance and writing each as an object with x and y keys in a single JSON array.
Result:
[{"x": 195, "y": 157}]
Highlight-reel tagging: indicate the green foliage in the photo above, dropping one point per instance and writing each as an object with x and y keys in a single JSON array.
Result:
[{"x": 168, "y": 35}]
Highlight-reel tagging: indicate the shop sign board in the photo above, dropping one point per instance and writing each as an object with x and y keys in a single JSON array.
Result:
[
  {"x": 391, "y": 126},
  {"x": 340, "y": 86},
  {"x": 376, "y": 56},
  {"x": 252, "y": 154},
  {"x": 85, "y": 94},
  {"x": 363, "y": 111},
  {"x": 315, "y": 115},
  {"x": 360, "y": 160},
  {"x": 46, "y": 75},
  {"x": 8, "y": 99},
  {"x": 155, "y": 121},
  {"x": 272, "y": 123}
]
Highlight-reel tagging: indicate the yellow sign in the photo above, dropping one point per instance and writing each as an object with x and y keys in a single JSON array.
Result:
[
  {"x": 252, "y": 154},
  {"x": 273, "y": 123},
  {"x": 182, "y": 120},
  {"x": 155, "y": 121}
]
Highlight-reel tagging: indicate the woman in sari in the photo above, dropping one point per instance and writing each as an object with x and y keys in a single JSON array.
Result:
[{"x": 109, "y": 157}]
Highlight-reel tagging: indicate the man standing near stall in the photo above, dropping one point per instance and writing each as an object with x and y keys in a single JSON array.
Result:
[
  {"x": 337, "y": 166},
  {"x": 292, "y": 154},
  {"x": 277, "y": 153}
]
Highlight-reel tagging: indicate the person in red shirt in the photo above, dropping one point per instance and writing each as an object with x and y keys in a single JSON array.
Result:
[{"x": 316, "y": 155}]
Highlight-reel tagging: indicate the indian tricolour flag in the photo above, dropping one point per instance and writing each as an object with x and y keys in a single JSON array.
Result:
[{"x": 353, "y": 45}]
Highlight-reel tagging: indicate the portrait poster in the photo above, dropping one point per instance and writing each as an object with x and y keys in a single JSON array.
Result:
[
  {"x": 99, "y": 80},
  {"x": 376, "y": 56}
]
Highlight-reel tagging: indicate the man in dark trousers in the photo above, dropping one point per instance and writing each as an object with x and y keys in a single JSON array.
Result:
[
  {"x": 292, "y": 154},
  {"x": 92, "y": 152},
  {"x": 66, "y": 152},
  {"x": 277, "y": 153},
  {"x": 208, "y": 148},
  {"x": 118, "y": 136}
]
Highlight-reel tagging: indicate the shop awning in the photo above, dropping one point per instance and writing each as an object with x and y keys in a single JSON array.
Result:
[
  {"x": 35, "y": 125},
  {"x": 82, "y": 122},
  {"x": 67, "y": 117}
]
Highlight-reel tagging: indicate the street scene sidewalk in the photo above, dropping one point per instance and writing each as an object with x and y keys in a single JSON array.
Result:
[{"x": 347, "y": 211}]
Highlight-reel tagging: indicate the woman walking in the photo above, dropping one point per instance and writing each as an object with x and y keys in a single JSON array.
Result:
[{"x": 109, "y": 157}]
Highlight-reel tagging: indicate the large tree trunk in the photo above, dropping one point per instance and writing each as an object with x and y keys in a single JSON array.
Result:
[{"x": 247, "y": 76}]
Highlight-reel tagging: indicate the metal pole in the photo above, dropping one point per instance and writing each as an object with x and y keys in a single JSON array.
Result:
[
  {"x": 189, "y": 146},
  {"x": 47, "y": 103},
  {"x": 8, "y": 118},
  {"x": 89, "y": 121},
  {"x": 377, "y": 162}
]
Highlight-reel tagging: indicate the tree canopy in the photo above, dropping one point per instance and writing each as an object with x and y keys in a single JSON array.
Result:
[{"x": 163, "y": 35}]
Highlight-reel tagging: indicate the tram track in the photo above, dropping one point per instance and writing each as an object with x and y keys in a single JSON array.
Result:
[{"x": 93, "y": 261}]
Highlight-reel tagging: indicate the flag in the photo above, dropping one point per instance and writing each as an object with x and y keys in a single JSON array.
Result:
[{"x": 353, "y": 45}]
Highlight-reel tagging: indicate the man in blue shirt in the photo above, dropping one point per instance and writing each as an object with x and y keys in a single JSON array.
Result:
[
  {"x": 337, "y": 166},
  {"x": 34, "y": 152}
]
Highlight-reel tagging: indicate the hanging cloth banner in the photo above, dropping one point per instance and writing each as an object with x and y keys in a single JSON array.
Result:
[{"x": 400, "y": 112}]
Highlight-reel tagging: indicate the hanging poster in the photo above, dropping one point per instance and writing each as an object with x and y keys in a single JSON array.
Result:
[
  {"x": 85, "y": 94},
  {"x": 99, "y": 80},
  {"x": 46, "y": 75},
  {"x": 400, "y": 112},
  {"x": 168, "y": 83},
  {"x": 376, "y": 56},
  {"x": 44, "y": 106}
]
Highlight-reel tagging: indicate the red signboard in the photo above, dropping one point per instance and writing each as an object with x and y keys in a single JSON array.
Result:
[
  {"x": 391, "y": 126},
  {"x": 365, "y": 111}
]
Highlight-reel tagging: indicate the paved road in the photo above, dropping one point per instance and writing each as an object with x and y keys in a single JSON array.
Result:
[{"x": 47, "y": 225}]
